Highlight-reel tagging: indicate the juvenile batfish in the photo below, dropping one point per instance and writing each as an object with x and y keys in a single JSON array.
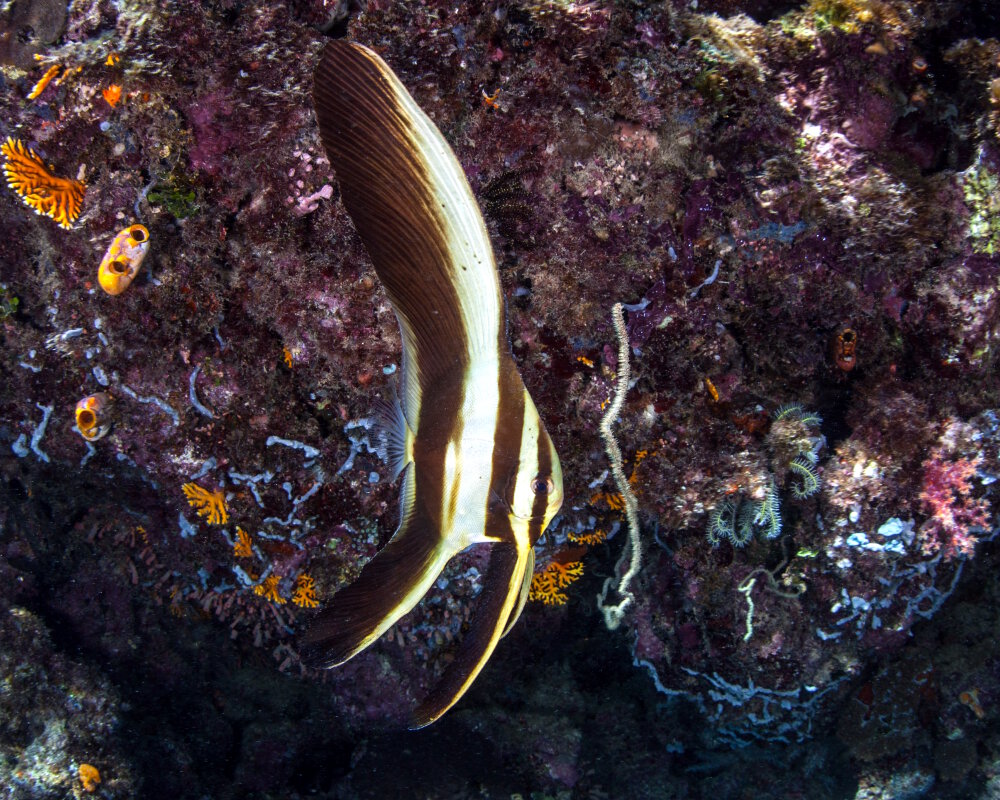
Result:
[{"x": 478, "y": 464}]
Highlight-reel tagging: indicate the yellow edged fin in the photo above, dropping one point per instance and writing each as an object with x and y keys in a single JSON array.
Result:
[
  {"x": 389, "y": 586},
  {"x": 525, "y": 591},
  {"x": 497, "y": 602}
]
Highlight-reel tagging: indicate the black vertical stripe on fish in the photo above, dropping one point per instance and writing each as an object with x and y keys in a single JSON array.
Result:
[
  {"x": 507, "y": 438},
  {"x": 538, "y": 521}
]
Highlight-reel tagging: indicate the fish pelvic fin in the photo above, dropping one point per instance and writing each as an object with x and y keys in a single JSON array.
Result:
[
  {"x": 522, "y": 599},
  {"x": 498, "y": 604}
]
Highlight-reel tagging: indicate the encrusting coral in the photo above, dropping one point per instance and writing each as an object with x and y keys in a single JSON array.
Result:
[{"x": 89, "y": 777}]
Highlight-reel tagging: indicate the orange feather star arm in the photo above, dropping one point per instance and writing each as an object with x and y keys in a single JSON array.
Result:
[{"x": 46, "y": 194}]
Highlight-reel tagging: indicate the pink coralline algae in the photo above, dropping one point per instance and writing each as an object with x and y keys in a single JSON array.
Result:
[
  {"x": 306, "y": 204},
  {"x": 211, "y": 118},
  {"x": 955, "y": 514}
]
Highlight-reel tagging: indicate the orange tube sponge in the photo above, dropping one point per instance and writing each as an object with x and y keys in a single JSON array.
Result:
[
  {"x": 94, "y": 416},
  {"x": 121, "y": 262}
]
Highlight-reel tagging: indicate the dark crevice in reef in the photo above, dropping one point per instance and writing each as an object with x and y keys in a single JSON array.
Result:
[
  {"x": 979, "y": 19},
  {"x": 196, "y": 708},
  {"x": 833, "y": 400},
  {"x": 954, "y": 96}
]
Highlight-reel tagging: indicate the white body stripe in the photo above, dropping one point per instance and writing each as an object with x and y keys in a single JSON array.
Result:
[
  {"x": 469, "y": 462},
  {"x": 523, "y": 497}
]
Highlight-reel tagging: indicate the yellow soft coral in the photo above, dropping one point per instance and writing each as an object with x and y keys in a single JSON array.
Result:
[
  {"x": 243, "y": 547},
  {"x": 45, "y": 193},
  {"x": 546, "y": 585},
  {"x": 44, "y": 81},
  {"x": 89, "y": 777},
  {"x": 211, "y": 505},
  {"x": 613, "y": 500},
  {"x": 589, "y": 538},
  {"x": 268, "y": 589},
  {"x": 305, "y": 592}
]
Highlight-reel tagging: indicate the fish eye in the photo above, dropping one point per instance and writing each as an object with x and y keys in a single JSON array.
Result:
[{"x": 542, "y": 484}]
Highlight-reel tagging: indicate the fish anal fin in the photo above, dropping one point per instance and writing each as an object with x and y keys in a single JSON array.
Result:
[
  {"x": 497, "y": 602},
  {"x": 389, "y": 586}
]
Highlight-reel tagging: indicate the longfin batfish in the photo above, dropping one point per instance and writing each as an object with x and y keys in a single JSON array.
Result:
[{"x": 478, "y": 464}]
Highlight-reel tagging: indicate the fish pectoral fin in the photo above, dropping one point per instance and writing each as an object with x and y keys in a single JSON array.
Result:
[
  {"x": 394, "y": 433},
  {"x": 389, "y": 586},
  {"x": 529, "y": 570},
  {"x": 497, "y": 602}
]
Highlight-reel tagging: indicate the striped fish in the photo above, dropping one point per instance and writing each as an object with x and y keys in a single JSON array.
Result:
[{"x": 478, "y": 465}]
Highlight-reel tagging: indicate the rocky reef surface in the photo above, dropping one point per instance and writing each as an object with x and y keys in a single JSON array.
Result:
[{"x": 797, "y": 205}]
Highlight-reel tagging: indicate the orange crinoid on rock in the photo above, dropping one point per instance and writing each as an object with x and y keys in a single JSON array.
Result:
[{"x": 45, "y": 193}]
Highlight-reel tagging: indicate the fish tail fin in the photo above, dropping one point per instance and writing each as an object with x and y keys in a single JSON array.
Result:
[{"x": 498, "y": 601}]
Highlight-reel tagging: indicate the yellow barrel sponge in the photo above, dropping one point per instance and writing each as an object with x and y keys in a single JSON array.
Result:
[
  {"x": 121, "y": 263},
  {"x": 94, "y": 416}
]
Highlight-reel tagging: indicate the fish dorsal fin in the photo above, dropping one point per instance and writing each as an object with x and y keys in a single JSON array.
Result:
[
  {"x": 501, "y": 590},
  {"x": 413, "y": 208},
  {"x": 389, "y": 586},
  {"x": 529, "y": 570},
  {"x": 394, "y": 433}
]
